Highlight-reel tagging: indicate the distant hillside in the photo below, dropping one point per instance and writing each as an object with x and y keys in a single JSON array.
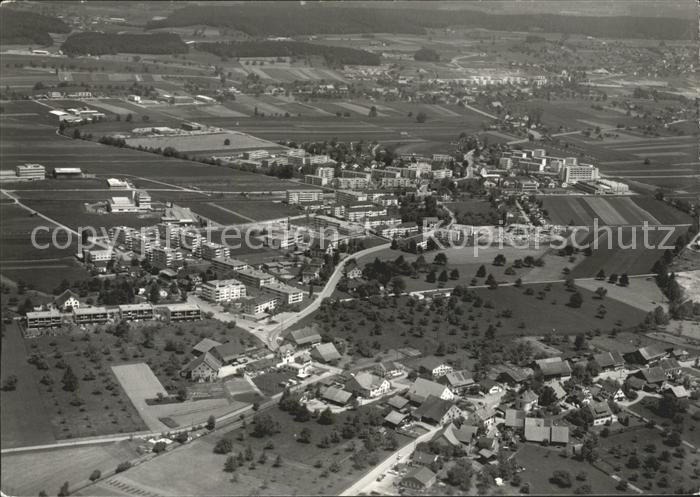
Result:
[
  {"x": 110, "y": 43},
  {"x": 22, "y": 27},
  {"x": 334, "y": 56},
  {"x": 290, "y": 19}
]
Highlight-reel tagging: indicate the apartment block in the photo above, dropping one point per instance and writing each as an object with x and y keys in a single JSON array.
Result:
[{"x": 223, "y": 290}]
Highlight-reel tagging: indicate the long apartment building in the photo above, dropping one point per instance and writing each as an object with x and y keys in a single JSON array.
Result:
[
  {"x": 579, "y": 172},
  {"x": 254, "y": 277},
  {"x": 223, "y": 290},
  {"x": 301, "y": 196},
  {"x": 361, "y": 212},
  {"x": 163, "y": 257},
  {"x": 285, "y": 293},
  {"x": 210, "y": 251},
  {"x": 227, "y": 264}
]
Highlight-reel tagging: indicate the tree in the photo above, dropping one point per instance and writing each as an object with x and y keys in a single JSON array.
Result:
[
  {"x": 305, "y": 436},
  {"x": 612, "y": 279},
  {"x": 372, "y": 111},
  {"x": 398, "y": 285},
  {"x": 223, "y": 446},
  {"x": 123, "y": 466},
  {"x": 633, "y": 462},
  {"x": 491, "y": 282},
  {"x": 159, "y": 447},
  {"x": 421, "y": 117},
  {"x": 576, "y": 300},
  {"x": 95, "y": 475},
  {"x": 624, "y": 280},
  {"x": 430, "y": 278},
  {"x": 481, "y": 272},
  {"x": 10, "y": 383},
  {"x": 580, "y": 341},
  {"x": 69, "y": 380},
  {"x": 601, "y": 292},
  {"x": 443, "y": 276},
  {"x": 460, "y": 475},
  {"x": 440, "y": 258},
  {"x": 211, "y": 422},
  {"x": 561, "y": 478},
  {"x": 547, "y": 396},
  {"x": 600, "y": 275},
  {"x": 326, "y": 417},
  {"x": 265, "y": 425},
  {"x": 278, "y": 461},
  {"x": 227, "y": 142},
  {"x": 64, "y": 491},
  {"x": 499, "y": 260},
  {"x": 454, "y": 274},
  {"x": 230, "y": 465}
]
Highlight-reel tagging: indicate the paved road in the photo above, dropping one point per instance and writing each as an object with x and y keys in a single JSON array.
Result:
[
  {"x": 399, "y": 456},
  {"x": 480, "y": 111}
]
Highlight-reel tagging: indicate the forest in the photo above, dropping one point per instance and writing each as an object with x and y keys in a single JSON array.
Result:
[
  {"x": 111, "y": 43},
  {"x": 22, "y": 27},
  {"x": 292, "y": 19},
  {"x": 334, "y": 56}
]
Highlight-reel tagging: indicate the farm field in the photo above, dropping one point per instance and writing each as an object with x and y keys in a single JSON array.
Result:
[
  {"x": 213, "y": 142},
  {"x": 623, "y": 251},
  {"x": 688, "y": 421},
  {"x": 616, "y": 450},
  {"x": 240, "y": 211},
  {"x": 357, "y": 320},
  {"x": 32, "y": 472},
  {"x": 173, "y": 473},
  {"x": 583, "y": 210},
  {"x": 540, "y": 462}
]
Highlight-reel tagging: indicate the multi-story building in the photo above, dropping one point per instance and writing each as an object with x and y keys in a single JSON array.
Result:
[
  {"x": 164, "y": 257},
  {"x": 282, "y": 239},
  {"x": 326, "y": 172},
  {"x": 253, "y": 277},
  {"x": 442, "y": 158},
  {"x": 312, "y": 179},
  {"x": 360, "y": 213},
  {"x": 350, "y": 183},
  {"x": 143, "y": 200},
  {"x": 226, "y": 264},
  {"x": 132, "y": 312},
  {"x": 285, "y": 293},
  {"x": 44, "y": 319},
  {"x": 442, "y": 173},
  {"x": 210, "y": 250},
  {"x": 346, "y": 197},
  {"x": 571, "y": 174},
  {"x": 181, "y": 312},
  {"x": 259, "y": 304},
  {"x": 31, "y": 171},
  {"x": 93, "y": 256},
  {"x": 223, "y": 290},
  {"x": 349, "y": 173},
  {"x": 93, "y": 315},
  {"x": 299, "y": 196},
  {"x": 122, "y": 204},
  {"x": 398, "y": 182}
]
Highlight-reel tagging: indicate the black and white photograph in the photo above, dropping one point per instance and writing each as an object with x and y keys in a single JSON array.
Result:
[{"x": 349, "y": 248}]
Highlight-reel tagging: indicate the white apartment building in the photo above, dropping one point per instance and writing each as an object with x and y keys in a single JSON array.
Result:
[
  {"x": 210, "y": 250},
  {"x": 312, "y": 179},
  {"x": 31, "y": 171},
  {"x": 346, "y": 197},
  {"x": 97, "y": 255},
  {"x": 143, "y": 200},
  {"x": 285, "y": 293},
  {"x": 224, "y": 264},
  {"x": 442, "y": 173},
  {"x": 325, "y": 172},
  {"x": 255, "y": 278},
  {"x": 164, "y": 257},
  {"x": 223, "y": 290},
  {"x": 570, "y": 174},
  {"x": 302, "y": 196},
  {"x": 350, "y": 183}
]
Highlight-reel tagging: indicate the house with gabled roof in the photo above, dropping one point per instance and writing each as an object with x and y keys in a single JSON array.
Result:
[
  {"x": 609, "y": 361},
  {"x": 608, "y": 390},
  {"x": 389, "y": 369},
  {"x": 398, "y": 403},
  {"x": 204, "y": 346},
  {"x": 336, "y": 395},
  {"x": 456, "y": 437},
  {"x": 325, "y": 353},
  {"x": 67, "y": 301},
  {"x": 510, "y": 375},
  {"x": 489, "y": 386},
  {"x": 395, "y": 418},
  {"x": 515, "y": 418},
  {"x": 601, "y": 413},
  {"x": 437, "y": 411},
  {"x": 671, "y": 367},
  {"x": 421, "y": 389},
  {"x": 352, "y": 270},
  {"x": 653, "y": 377},
  {"x": 649, "y": 355},
  {"x": 419, "y": 478},
  {"x": 543, "y": 430},
  {"x": 368, "y": 385},
  {"x": 458, "y": 381},
  {"x": 527, "y": 400},
  {"x": 203, "y": 368},
  {"x": 434, "y": 366},
  {"x": 227, "y": 352},
  {"x": 554, "y": 368},
  {"x": 305, "y": 337}
]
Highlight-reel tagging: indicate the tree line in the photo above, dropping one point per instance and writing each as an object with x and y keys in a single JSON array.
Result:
[
  {"x": 19, "y": 26},
  {"x": 112, "y": 43},
  {"x": 290, "y": 19}
]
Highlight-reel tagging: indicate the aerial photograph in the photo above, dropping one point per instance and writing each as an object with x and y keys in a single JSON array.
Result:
[{"x": 344, "y": 248}]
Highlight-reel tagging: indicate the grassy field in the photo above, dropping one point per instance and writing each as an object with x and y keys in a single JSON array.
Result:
[
  {"x": 304, "y": 469},
  {"x": 30, "y": 473},
  {"x": 540, "y": 462},
  {"x": 616, "y": 449},
  {"x": 199, "y": 143}
]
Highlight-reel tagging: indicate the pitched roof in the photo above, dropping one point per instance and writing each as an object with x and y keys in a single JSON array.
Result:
[
  {"x": 307, "y": 334},
  {"x": 669, "y": 364},
  {"x": 335, "y": 394},
  {"x": 395, "y": 417},
  {"x": 466, "y": 433},
  {"x": 433, "y": 408},
  {"x": 651, "y": 352},
  {"x": 653, "y": 375},
  {"x": 599, "y": 409},
  {"x": 64, "y": 297},
  {"x": 422, "y": 474},
  {"x": 228, "y": 351},
  {"x": 422, "y": 389},
  {"x": 560, "y": 434},
  {"x": 326, "y": 352},
  {"x": 679, "y": 391},
  {"x": 536, "y": 430},
  {"x": 554, "y": 366},
  {"x": 609, "y": 359},
  {"x": 206, "y": 358},
  {"x": 515, "y": 418},
  {"x": 398, "y": 402},
  {"x": 513, "y": 373},
  {"x": 635, "y": 382},
  {"x": 461, "y": 378},
  {"x": 528, "y": 396},
  {"x": 421, "y": 457},
  {"x": 205, "y": 345},
  {"x": 368, "y": 381},
  {"x": 557, "y": 387},
  {"x": 431, "y": 362}
]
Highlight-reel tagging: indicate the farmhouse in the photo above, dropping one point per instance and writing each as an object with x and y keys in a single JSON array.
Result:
[
  {"x": 434, "y": 366},
  {"x": 608, "y": 361},
  {"x": 203, "y": 368},
  {"x": 395, "y": 418},
  {"x": 456, "y": 437},
  {"x": 437, "y": 411},
  {"x": 389, "y": 369},
  {"x": 648, "y": 356},
  {"x": 203, "y": 346},
  {"x": 352, "y": 270},
  {"x": 305, "y": 337},
  {"x": 335, "y": 395},
  {"x": 601, "y": 413},
  {"x": 419, "y": 478},
  {"x": 554, "y": 367},
  {"x": 325, "y": 353},
  {"x": 421, "y": 389},
  {"x": 368, "y": 385},
  {"x": 458, "y": 381},
  {"x": 67, "y": 301}
]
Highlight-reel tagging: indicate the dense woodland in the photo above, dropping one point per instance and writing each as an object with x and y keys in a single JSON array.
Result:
[
  {"x": 290, "y": 19},
  {"x": 21, "y": 27},
  {"x": 110, "y": 43},
  {"x": 334, "y": 56}
]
